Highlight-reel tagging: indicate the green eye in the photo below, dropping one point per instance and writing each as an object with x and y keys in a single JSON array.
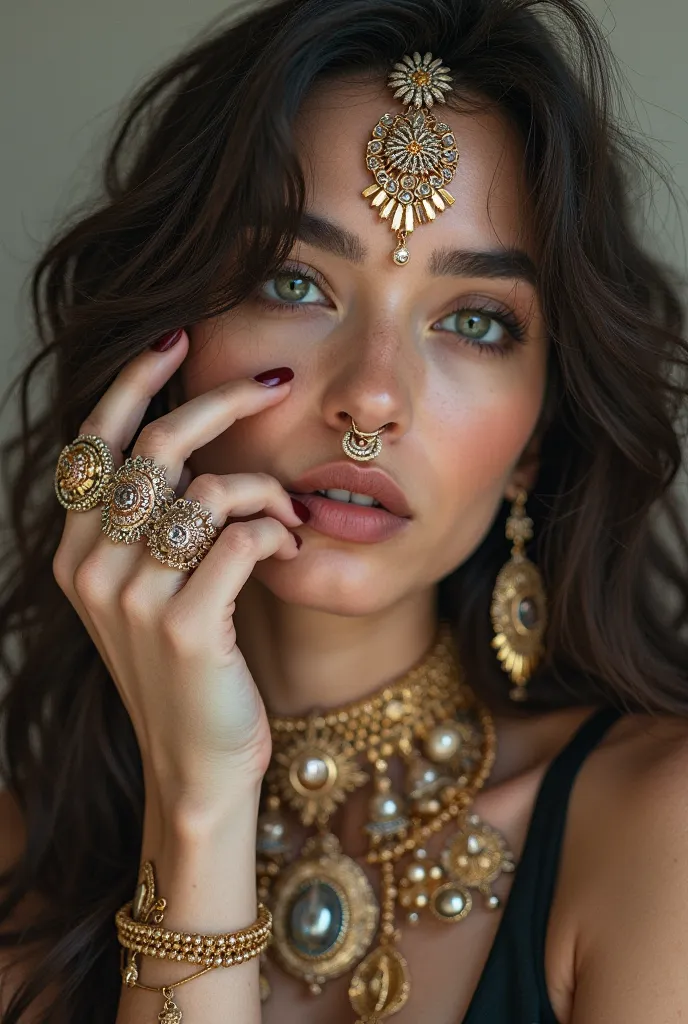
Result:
[
  {"x": 292, "y": 288},
  {"x": 475, "y": 326}
]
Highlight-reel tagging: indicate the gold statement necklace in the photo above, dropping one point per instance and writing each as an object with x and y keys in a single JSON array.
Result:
[{"x": 326, "y": 916}]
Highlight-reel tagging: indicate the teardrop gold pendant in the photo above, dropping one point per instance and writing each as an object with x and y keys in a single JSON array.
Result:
[{"x": 380, "y": 985}]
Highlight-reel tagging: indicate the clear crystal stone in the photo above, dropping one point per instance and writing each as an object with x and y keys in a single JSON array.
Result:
[
  {"x": 125, "y": 496},
  {"x": 177, "y": 535}
]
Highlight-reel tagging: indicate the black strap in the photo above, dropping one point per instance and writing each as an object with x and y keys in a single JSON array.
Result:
[
  {"x": 545, "y": 837},
  {"x": 513, "y": 987}
]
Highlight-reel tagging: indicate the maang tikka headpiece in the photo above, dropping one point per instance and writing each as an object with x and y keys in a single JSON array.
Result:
[{"x": 412, "y": 156}]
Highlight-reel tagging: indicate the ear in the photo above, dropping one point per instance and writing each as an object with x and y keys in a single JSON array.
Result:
[{"x": 525, "y": 472}]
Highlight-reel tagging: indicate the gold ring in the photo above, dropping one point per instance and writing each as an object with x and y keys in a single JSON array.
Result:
[
  {"x": 137, "y": 496},
  {"x": 84, "y": 470},
  {"x": 183, "y": 535}
]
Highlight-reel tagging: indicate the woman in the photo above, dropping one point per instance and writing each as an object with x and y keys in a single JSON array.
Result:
[{"x": 456, "y": 723}]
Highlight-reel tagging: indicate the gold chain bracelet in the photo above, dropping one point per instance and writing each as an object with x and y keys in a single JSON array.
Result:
[
  {"x": 213, "y": 950},
  {"x": 139, "y": 931}
]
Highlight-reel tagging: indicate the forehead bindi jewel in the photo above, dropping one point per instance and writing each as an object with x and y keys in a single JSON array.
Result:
[{"x": 412, "y": 156}]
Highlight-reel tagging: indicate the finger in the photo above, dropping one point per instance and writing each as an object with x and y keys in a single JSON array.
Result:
[
  {"x": 216, "y": 583},
  {"x": 118, "y": 414},
  {"x": 245, "y": 494},
  {"x": 225, "y": 497},
  {"x": 171, "y": 439},
  {"x": 115, "y": 418}
]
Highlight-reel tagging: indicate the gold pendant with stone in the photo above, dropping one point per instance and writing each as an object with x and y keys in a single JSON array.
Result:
[
  {"x": 314, "y": 774},
  {"x": 325, "y": 913},
  {"x": 412, "y": 156},
  {"x": 474, "y": 857}
]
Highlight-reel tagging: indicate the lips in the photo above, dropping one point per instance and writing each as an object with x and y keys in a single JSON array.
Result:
[{"x": 344, "y": 476}]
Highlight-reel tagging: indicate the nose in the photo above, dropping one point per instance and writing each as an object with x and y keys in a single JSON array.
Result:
[{"x": 372, "y": 381}]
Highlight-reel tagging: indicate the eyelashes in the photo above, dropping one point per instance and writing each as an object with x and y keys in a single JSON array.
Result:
[{"x": 290, "y": 289}]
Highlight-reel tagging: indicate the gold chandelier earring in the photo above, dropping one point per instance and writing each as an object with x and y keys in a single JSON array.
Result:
[{"x": 519, "y": 605}]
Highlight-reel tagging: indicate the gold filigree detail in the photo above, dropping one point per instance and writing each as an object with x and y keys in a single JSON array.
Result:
[
  {"x": 136, "y": 498},
  {"x": 84, "y": 470},
  {"x": 420, "y": 81},
  {"x": 314, "y": 774},
  {"x": 380, "y": 985},
  {"x": 183, "y": 535},
  {"x": 477, "y": 855},
  {"x": 412, "y": 156}
]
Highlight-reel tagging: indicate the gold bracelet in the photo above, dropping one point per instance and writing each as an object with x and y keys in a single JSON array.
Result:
[
  {"x": 214, "y": 950},
  {"x": 139, "y": 931}
]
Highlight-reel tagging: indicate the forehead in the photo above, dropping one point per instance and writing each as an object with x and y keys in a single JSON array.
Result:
[{"x": 333, "y": 129}]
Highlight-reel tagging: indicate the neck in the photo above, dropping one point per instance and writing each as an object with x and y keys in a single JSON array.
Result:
[{"x": 303, "y": 659}]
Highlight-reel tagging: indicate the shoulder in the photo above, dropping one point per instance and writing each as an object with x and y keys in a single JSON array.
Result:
[{"x": 626, "y": 867}]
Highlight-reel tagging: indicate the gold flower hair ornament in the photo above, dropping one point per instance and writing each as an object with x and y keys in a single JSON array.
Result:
[{"x": 412, "y": 156}]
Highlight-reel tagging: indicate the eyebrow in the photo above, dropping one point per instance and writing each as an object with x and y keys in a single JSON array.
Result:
[
  {"x": 493, "y": 263},
  {"x": 497, "y": 263},
  {"x": 325, "y": 234}
]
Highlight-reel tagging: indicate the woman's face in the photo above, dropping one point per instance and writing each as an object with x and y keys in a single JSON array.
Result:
[{"x": 420, "y": 348}]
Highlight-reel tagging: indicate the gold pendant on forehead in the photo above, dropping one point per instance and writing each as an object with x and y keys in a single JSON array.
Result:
[{"x": 412, "y": 156}]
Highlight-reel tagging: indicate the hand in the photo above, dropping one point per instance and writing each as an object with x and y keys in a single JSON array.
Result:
[{"x": 167, "y": 637}]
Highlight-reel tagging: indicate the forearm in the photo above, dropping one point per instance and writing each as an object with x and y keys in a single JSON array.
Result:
[{"x": 206, "y": 872}]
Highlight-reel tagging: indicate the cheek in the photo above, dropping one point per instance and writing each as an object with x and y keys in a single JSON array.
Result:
[
  {"x": 472, "y": 450},
  {"x": 243, "y": 344}
]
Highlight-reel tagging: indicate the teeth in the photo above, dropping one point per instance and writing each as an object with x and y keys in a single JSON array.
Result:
[{"x": 350, "y": 496}]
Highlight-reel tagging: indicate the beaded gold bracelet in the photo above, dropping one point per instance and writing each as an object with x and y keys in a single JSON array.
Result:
[{"x": 139, "y": 931}]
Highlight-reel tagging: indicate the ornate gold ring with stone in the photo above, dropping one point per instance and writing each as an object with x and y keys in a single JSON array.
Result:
[
  {"x": 84, "y": 470},
  {"x": 136, "y": 498}
]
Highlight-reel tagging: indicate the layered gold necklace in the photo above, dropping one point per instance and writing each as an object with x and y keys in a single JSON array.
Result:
[{"x": 326, "y": 916}]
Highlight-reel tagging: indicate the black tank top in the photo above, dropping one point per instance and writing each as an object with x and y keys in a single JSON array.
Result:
[{"x": 512, "y": 987}]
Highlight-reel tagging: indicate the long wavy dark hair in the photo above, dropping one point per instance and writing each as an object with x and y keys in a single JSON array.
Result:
[{"x": 203, "y": 165}]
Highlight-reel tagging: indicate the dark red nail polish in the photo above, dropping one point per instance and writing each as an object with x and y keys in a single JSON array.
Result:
[
  {"x": 271, "y": 378},
  {"x": 301, "y": 510},
  {"x": 167, "y": 340},
  {"x": 299, "y": 540}
]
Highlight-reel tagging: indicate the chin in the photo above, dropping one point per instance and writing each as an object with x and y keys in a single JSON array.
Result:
[{"x": 331, "y": 581}]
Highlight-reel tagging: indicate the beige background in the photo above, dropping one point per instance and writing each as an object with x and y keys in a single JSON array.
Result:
[{"x": 65, "y": 66}]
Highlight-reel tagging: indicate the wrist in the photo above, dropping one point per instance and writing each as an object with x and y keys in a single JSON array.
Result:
[
  {"x": 205, "y": 864},
  {"x": 179, "y": 813}
]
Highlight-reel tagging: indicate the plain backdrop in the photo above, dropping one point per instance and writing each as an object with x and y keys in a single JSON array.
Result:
[{"x": 67, "y": 65}]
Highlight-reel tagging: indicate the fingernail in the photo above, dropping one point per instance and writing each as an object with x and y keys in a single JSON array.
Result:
[
  {"x": 167, "y": 340},
  {"x": 301, "y": 510},
  {"x": 299, "y": 540},
  {"x": 271, "y": 378}
]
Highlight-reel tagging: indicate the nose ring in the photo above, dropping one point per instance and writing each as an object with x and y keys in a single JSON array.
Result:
[{"x": 362, "y": 446}]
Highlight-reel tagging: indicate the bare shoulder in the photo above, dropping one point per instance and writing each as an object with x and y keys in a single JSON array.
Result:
[{"x": 624, "y": 877}]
